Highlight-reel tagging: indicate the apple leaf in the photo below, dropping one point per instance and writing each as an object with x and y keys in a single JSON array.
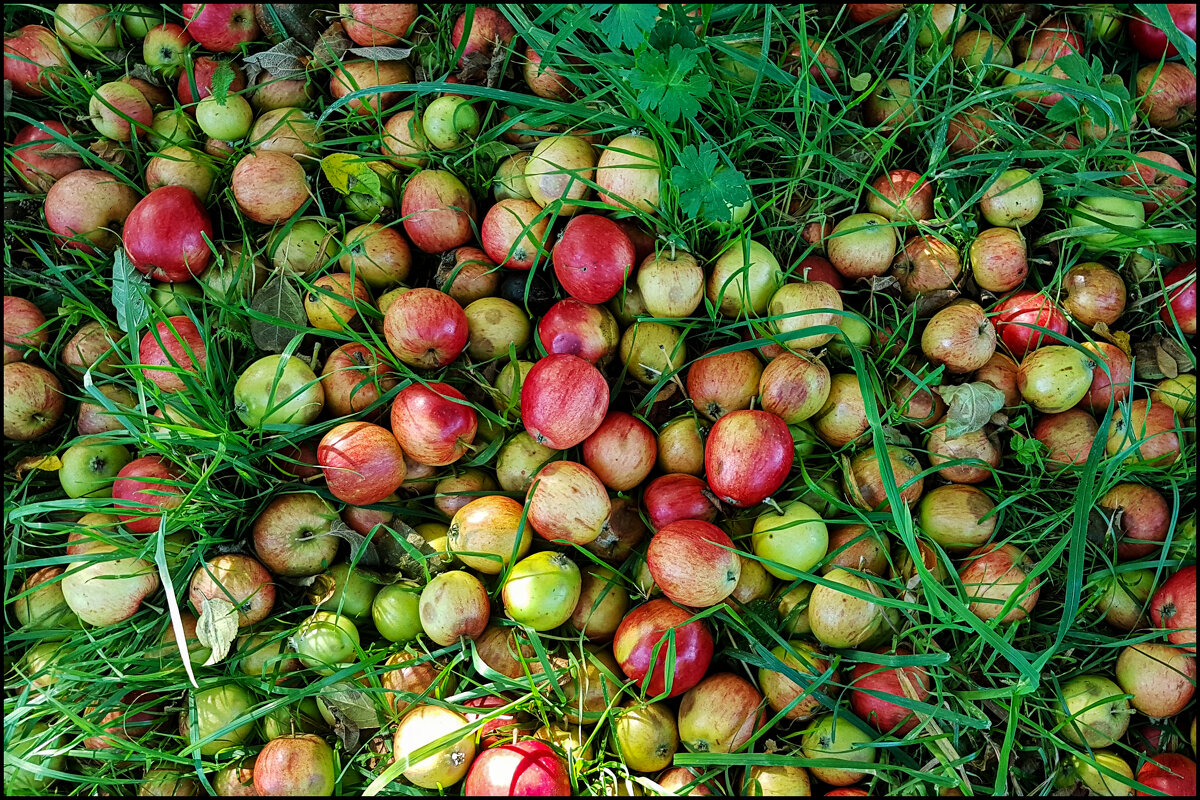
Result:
[
  {"x": 43, "y": 463},
  {"x": 217, "y": 627},
  {"x": 285, "y": 61},
  {"x": 358, "y": 544},
  {"x": 380, "y": 53},
  {"x": 280, "y": 302},
  {"x": 971, "y": 406},
  {"x": 350, "y": 174},
  {"x": 130, "y": 293}
]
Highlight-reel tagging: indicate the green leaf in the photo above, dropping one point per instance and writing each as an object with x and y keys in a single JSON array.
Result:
[
  {"x": 667, "y": 33},
  {"x": 217, "y": 627},
  {"x": 348, "y": 173},
  {"x": 626, "y": 24},
  {"x": 707, "y": 189},
  {"x": 971, "y": 406},
  {"x": 664, "y": 84},
  {"x": 130, "y": 293},
  {"x": 222, "y": 79},
  {"x": 281, "y": 301},
  {"x": 1063, "y": 111}
]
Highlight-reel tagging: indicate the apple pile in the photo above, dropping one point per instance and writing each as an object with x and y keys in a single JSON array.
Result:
[{"x": 691, "y": 495}]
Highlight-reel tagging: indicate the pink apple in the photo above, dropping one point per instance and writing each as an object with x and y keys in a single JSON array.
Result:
[
  {"x": 433, "y": 423},
  {"x": 37, "y": 170},
  {"x": 86, "y": 207},
  {"x": 32, "y": 58},
  {"x": 173, "y": 252},
  {"x": 425, "y": 328},
  {"x": 221, "y": 27}
]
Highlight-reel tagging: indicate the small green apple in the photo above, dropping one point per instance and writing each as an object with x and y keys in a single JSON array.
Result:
[
  {"x": 90, "y": 467},
  {"x": 226, "y": 120},
  {"x": 172, "y": 298},
  {"x": 172, "y": 127},
  {"x": 450, "y": 122},
  {"x": 278, "y": 390},
  {"x": 1114, "y": 213}
]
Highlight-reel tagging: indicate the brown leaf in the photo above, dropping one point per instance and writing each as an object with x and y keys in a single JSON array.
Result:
[
  {"x": 929, "y": 302},
  {"x": 474, "y": 67},
  {"x": 1174, "y": 349},
  {"x": 1119, "y": 338},
  {"x": 110, "y": 151},
  {"x": 884, "y": 283},
  {"x": 1145, "y": 361},
  {"x": 1098, "y": 527},
  {"x": 1166, "y": 363},
  {"x": 43, "y": 463},
  {"x": 331, "y": 45}
]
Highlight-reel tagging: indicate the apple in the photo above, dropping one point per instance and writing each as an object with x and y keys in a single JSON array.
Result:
[
  {"x": 917, "y": 405},
  {"x": 378, "y": 24},
  {"x": 970, "y": 130},
  {"x": 295, "y": 764},
  {"x": 720, "y": 714},
  {"x": 362, "y": 462},
  {"x": 641, "y": 650},
  {"x": 33, "y": 401},
  {"x": 983, "y": 54},
  {"x": 797, "y": 307},
  {"x": 269, "y": 187},
  {"x": 221, "y": 27},
  {"x": 157, "y": 96},
  {"x": 1092, "y": 711},
  {"x": 563, "y": 400},
  {"x": 671, "y": 285},
  {"x": 748, "y": 456},
  {"x": 992, "y": 576},
  {"x": 179, "y": 166},
  {"x": 794, "y": 388},
  {"x": 1180, "y": 308},
  {"x": 628, "y": 173},
  {"x": 1068, "y": 436},
  {"x": 545, "y": 81},
  {"x": 41, "y": 606},
  {"x": 433, "y": 423},
  {"x": 270, "y": 92},
  {"x": 743, "y": 279},
  {"x": 901, "y": 195},
  {"x": 24, "y": 328},
  {"x": 959, "y": 517},
  {"x": 33, "y": 60},
  {"x": 106, "y": 592},
  {"x": 285, "y": 130},
  {"x": 580, "y": 329},
  {"x": 36, "y": 169},
  {"x": 1117, "y": 214},
  {"x": 453, "y": 605},
  {"x": 593, "y": 258},
  {"x": 677, "y": 496},
  {"x": 1016, "y": 316},
  {"x": 862, "y": 246},
  {"x": 1173, "y": 608},
  {"x": 926, "y": 264},
  {"x": 890, "y": 105},
  {"x": 196, "y": 80},
  {"x": 867, "y": 679},
  {"x": 1171, "y": 774},
  {"x": 1178, "y": 394},
  {"x": 438, "y": 211},
  {"x": 1053, "y": 379},
  {"x": 170, "y": 348},
  {"x": 567, "y": 502},
  {"x": 825, "y": 64},
  {"x": 693, "y": 562},
  {"x": 364, "y": 75},
  {"x": 1012, "y": 200},
  {"x": 278, "y": 390},
  {"x": 171, "y": 127},
  {"x": 304, "y": 247},
  {"x": 1152, "y": 42},
  {"x": 334, "y": 301},
  {"x": 514, "y": 234},
  {"x": 227, "y": 119},
  {"x": 119, "y": 111},
  {"x": 450, "y": 122},
  {"x": 291, "y": 535},
  {"x": 724, "y": 382},
  {"x": 353, "y": 378},
  {"x": 404, "y": 142},
  {"x": 489, "y": 31},
  {"x": 843, "y": 418},
  {"x": 541, "y": 591},
  {"x": 862, "y": 477},
  {"x": 1145, "y": 432},
  {"x": 238, "y": 579},
  {"x": 425, "y": 328},
  {"x": 1110, "y": 378},
  {"x": 558, "y": 171},
  {"x": 487, "y": 533},
  {"x": 959, "y": 336},
  {"x": 529, "y": 767},
  {"x": 378, "y": 255},
  {"x": 89, "y": 468},
  {"x": 177, "y": 252},
  {"x": 421, "y": 727},
  {"x": 841, "y": 620},
  {"x": 164, "y": 48},
  {"x": 832, "y": 738},
  {"x": 1159, "y": 176},
  {"x": 1161, "y": 678},
  {"x": 856, "y": 547},
  {"x": 1053, "y": 40},
  {"x": 621, "y": 452}
]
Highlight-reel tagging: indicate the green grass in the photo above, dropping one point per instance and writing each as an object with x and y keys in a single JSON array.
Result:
[{"x": 988, "y": 727}]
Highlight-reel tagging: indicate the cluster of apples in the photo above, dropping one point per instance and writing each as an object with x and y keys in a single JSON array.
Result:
[{"x": 550, "y": 532}]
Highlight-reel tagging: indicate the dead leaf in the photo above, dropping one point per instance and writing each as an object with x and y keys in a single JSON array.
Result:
[
  {"x": 344, "y": 728},
  {"x": 217, "y": 627},
  {"x": 883, "y": 283},
  {"x": 110, "y": 151},
  {"x": 362, "y": 552},
  {"x": 382, "y": 53},
  {"x": 971, "y": 406},
  {"x": 59, "y": 150},
  {"x": 1119, "y": 338},
  {"x": 43, "y": 463},
  {"x": 145, "y": 73},
  {"x": 287, "y": 60},
  {"x": 1160, "y": 357},
  {"x": 331, "y": 45},
  {"x": 929, "y": 302},
  {"x": 895, "y": 436}
]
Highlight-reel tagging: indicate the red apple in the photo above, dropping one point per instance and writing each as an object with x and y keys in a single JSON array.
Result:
[
  {"x": 748, "y": 456},
  {"x": 1148, "y": 432},
  {"x": 295, "y": 764},
  {"x": 513, "y": 233},
  {"x": 725, "y": 382},
  {"x": 884, "y": 715},
  {"x": 825, "y": 67},
  {"x": 566, "y": 502},
  {"x": 1068, "y": 436},
  {"x": 959, "y": 336},
  {"x": 1170, "y": 774},
  {"x": 1181, "y": 293},
  {"x": 363, "y": 463},
  {"x": 993, "y": 574},
  {"x": 901, "y": 195},
  {"x": 640, "y": 646},
  {"x": 169, "y": 348},
  {"x": 580, "y": 329},
  {"x": 593, "y": 258},
  {"x": 221, "y": 27},
  {"x": 86, "y": 206},
  {"x": 1015, "y": 315},
  {"x": 1146, "y": 171},
  {"x": 1173, "y": 608},
  {"x": 37, "y": 170},
  {"x": 195, "y": 83},
  {"x": 529, "y": 768},
  {"x": 621, "y": 452},
  {"x": 1111, "y": 386},
  {"x": 794, "y": 388},
  {"x": 1094, "y": 294},
  {"x": 1140, "y": 517},
  {"x": 1152, "y": 42},
  {"x": 377, "y": 24},
  {"x": 1168, "y": 94},
  {"x": 970, "y": 131},
  {"x": 354, "y": 377},
  {"x": 874, "y": 13},
  {"x": 175, "y": 252},
  {"x": 430, "y": 425},
  {"x": 269, "y": 187},
  {"x": 818, "y": 268},
  {"x": 438, "y": 211},
  {"x": 677, "y": 496},
  {"x": 693, "y": 562},
  {"x": 563, "y": 400},
  {"x": 21, "y": 322},
  {"x": 425, "y": 328},
  {"x": 147, "y": 486},
  {"x": 489, "y": 30},
  {"x": 33, "y": 57},
  {"x": 365, "y": 74},
  {"x": 498, "y": 729}
]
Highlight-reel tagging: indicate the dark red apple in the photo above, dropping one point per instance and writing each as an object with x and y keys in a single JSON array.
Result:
[
  {"x": 363, "y": 463},
  {"x": 169, "y": 348},
  {"x": 172, "y": 252},
  {"x": 640, "y": 646},
  {"x": 621, "y": 452},
  {"x": 1014, "y": 316},
  {"x": 489, "y": 30},
  {"x": 748, "y": 456},
  {"x": 593, "y": 258},
  {"x": 433, "y": 423},
  {"x": 529, "y": 768},
  {"x": 425, "y": 328},
  {"x": 580, "y": 329},
  {"x": 1173, "y": 608},
  {"x": 1172, "y": 774},
  {"x": 677, "y": 496},
  {"x": 564, "y": 398},
  {"x": 1181, "y": 293},
  {"x": 693, "y": 562},
  {"x": 818, "y": 268},
  {"x": 220, "y": 27},
  {"x": 1152, "y": 42},
  {"x": 147, "y": 487},
  {"x": 36, "y": 169},
  {"x": 884, "y": 715}
]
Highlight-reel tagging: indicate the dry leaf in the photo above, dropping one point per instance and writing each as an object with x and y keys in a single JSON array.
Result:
[
  {"x": 110, "y": 151},
  {"x": 884, "y": 283},
  {"x": 1160, "y": 357},
  {"x": 382, "y": 53},
  {"x": 286, "y": 60},
  {"x": 331, "y": 45},
  {"x": 971, "y": 406},
  {"x": 217, "y": 627},
  {"x": 43, "y": 463},
  {"x": 929, "y": 302}
]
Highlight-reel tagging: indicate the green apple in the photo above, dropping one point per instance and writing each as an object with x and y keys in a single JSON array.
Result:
[
  {"x": 138, "y": 20},
  {"x": 327, "y": 642},
  {"x": 278, "y": 390},
  {"x": 172, "y": 298},
  {"x": 450, "y": 122},
  {"x": 227, "y": 120},
  {"x": 216, "y": 709},
  {"x": 1114, "y": 213},
  {"x": 541, "y": 590},
  {"x": 797, "y": 539},
  {"x": 396, "y": 612},
  {"x": 41, "y": 751},
  {"x": 169, "y": 127},
  {"x": 90, "y": 467}
]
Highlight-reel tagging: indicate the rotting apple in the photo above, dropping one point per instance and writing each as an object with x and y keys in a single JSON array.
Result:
[{"x": 454, "y": 604}]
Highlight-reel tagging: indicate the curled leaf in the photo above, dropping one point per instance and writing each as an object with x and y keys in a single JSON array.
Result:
[
  {"x": 43, "y": 463},
  {"x": 971, "y": 406},
  {"x": 382, "y": 53},
  {"x": 279, "y": 300},
  {"x": 217, "y": 627},
  {"x": 362, "y": 552},
  {"x": 285, "y": 61},
  {"x": 1119, "y": 338}
]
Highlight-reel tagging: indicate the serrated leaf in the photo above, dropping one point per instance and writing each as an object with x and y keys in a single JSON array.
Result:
[
  {"x": 280, "y": 300},
  {"x": 665, "y": 84},
  {"x": 43, "y": 463},
  {"x": 382, "y": 53},
  {"x": 285, "y": 61},
  {"x": 971, "y": 406},
  {"x": 626, "y": 24},
  {"x": 130, "y": 293},
  {"x": 222, "y": 79},
  {"x": 708, "y": 190},
  {"x": 217, "y": 627},
  {"x": 1062, "y": 112},
  {"x": 348, "y": 173}
]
